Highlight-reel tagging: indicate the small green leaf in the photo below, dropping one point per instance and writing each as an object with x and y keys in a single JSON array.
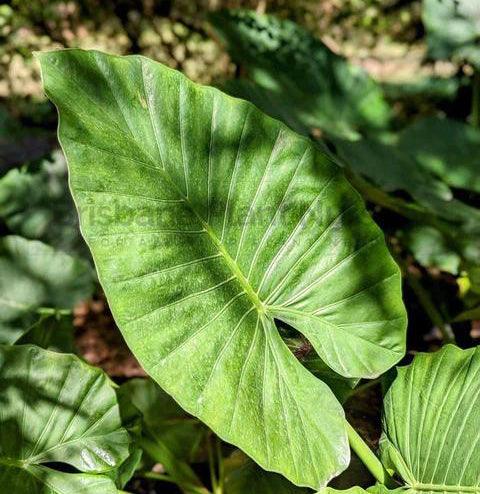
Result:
[
  {"x": 57, "y": 409},
  {"x": 297, "y": 78},
  {"x": 468, "y": 315},
  {"x": 33, "y": 277},
  {"x": 431, "y": 422},
  {"x": 209, "y": 220}
]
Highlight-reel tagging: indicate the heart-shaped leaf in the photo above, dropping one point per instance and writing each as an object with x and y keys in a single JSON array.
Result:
[
  {"x": 431, "y": 423},
  {"x": 207, "y": 220},
  {"x": 57, "y": 409}
]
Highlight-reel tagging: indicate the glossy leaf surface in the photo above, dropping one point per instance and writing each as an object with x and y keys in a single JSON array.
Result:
[
  {"x": 57, "y": 409},
  {"x": 431, "y": 425},
  {"x": 207, "y": 220}
]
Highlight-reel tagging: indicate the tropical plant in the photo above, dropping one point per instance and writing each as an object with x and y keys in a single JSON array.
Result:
[
  {"x": 214, "y": 264},
  {"x": 247, "y": 276}
]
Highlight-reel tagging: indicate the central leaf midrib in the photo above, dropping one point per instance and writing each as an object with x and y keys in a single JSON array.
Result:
[
  {"x": 444, "y": 488},
  {"x": 231, "y": 263}
]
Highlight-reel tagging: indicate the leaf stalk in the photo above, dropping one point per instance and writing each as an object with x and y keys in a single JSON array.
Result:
[{"x": 368, "y": 458}]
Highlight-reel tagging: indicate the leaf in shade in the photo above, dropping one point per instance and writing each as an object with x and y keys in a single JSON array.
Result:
[
  {"x": 57, "y": 409},
  {"x": 50, "y": 332},
  {"x": 431, "y": 248},
  {"x": 297, "y": 78},
  {"x": 209, "y": 220},
  {"x": 247, "y": 477},
  {"x": 447, "y": 149},
  {"x": 453, "y": 29},
  {"x": 37, "y": 205},
  {"x": 32, "y": 276}
]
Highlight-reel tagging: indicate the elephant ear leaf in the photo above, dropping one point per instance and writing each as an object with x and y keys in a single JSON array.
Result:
[
  {"x": 57, "y": 409},
  {"x": 431, "y": 424},
  {"x": 207, "y": 221}
]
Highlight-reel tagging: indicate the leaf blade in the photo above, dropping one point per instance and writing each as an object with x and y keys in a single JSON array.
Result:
[{"x": 201, "y": 257}]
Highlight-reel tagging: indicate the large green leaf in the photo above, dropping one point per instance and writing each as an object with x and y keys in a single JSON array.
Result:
[
  {"x": 453, "y": 29},
  {"x": 207, "y": 220},
  {"x": 57, "y": 409},
  {"x": 427, "y": 160},
  {"x": 431, "y": 424},
  {"x": 297, "y": 78},
  {"x": 387, "y": 165},
  {"x": 34, "y": 277}
]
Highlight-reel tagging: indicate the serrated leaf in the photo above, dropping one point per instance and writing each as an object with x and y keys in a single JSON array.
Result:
[
  {"x": 297, "y": 78},
  {"x": 57, "y": 409},
  {"x": 431, "y": 422},
  {"x": 33, "y": 275},
  {"x": 208, "y": 220}
]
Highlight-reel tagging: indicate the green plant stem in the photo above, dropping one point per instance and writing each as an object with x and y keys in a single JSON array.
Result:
[
  {"x": 429, "y": 307},
  {"x": 475, "y": 116},
  {"x": 158, "y": 476},
  {"x": 221, "y": 466},
  {"x": 365, "y": 386},
  {"x": 52, "y": 311},
  {"x": 368, "y": 458},
  {"x": 211, "y": 465}
]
